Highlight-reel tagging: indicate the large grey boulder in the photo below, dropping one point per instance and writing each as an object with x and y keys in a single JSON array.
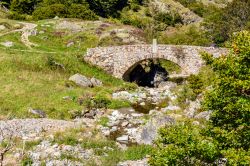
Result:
[
  {"x": 148, "y": 133},
  {"x": 84, "y": 81}
]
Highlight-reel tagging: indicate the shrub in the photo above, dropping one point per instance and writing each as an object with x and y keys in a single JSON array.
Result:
[
  {"x": 50, "y": 11},
  {"x": 61, "y": 10},
  {"x": 229, "y": 98},
  {"x": 168, "y": 18},
  {"x": 183, "y": 144},
  {"x": 99, "y": 101},
  {"x": 196, "y": 84},
  {"x": 81, "y": 11}
]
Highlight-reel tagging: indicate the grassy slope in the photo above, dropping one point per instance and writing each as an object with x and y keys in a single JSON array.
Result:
[{"x": 27, "y": 80}]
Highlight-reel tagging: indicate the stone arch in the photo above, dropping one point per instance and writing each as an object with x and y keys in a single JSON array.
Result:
[{"x": 118, "y": 59}]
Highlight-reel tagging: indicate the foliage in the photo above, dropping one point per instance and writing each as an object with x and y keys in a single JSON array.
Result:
[
  {"x": 168, "y": 18},
  {"x": 24, "y": 6},
  {"x": 170, "y": 66},
  {"x": 183, "y": 144},
  {"x": 107, "y": 8},
  {"x": 230, "y": 97},
  {"x": 190, "y": 36},
  {"x": 224, "y": 22},
  {"x": 227, "y": 135},
  {"x": 196, "y": 84},
  {"x": 198, "y": 7},
  {"x": 60, "y": 10},
  {"x": 132, "y": 153}
]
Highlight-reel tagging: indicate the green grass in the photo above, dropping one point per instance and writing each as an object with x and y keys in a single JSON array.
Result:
[
  {"x": 169, "y": 66},
  {"x": 28, "y": 81},
  {"x": 132, "y": 153},
  {"x": 103, "y": 121}
]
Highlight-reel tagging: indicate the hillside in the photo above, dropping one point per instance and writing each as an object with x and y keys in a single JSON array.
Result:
[{"x": 57, "y": 108}]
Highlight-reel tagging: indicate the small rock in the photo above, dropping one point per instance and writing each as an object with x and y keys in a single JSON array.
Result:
[
  {"x": 56, "y": 17},
  {"x": 143, "y": 162},
  {"x": 123, "y": 139},
  {"x": 95, "y": 82},
  {"x": 70, "y": 44},
  {"x": 40, "y": 113},
  {"x": 41, "y": 32},
  {"x": 7, "y": 44},
  {"x": 196, "y": 123},
  {"x": 2, "y": 27},
  {"x": 143, "y": 104},
  {"x": 170, "y": 108},
  {"x": 66, "y": 98},
  {"x": 114, "y": 129},
  {"x": 136, "y": 115},
  {"x": 124, "y": 124}
]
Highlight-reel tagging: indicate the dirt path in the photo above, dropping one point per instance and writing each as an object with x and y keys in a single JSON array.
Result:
[{"x": 26, "y": 31}]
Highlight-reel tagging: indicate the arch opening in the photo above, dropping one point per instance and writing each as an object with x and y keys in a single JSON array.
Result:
[{"x": 150, "y": 72}]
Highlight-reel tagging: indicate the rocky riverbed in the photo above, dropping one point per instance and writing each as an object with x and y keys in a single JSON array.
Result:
[{"x": 151, "y": 109}]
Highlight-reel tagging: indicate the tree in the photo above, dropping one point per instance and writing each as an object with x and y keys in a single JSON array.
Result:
[
  {"x": 227, "y": 136},
  {"x": 230, "y": 98},
  {"x": 107, "y": 8},
  {"x": 24, "y": 6},
  {"x": 233, "y": 18},
  {"x": 5, "y": 3}
]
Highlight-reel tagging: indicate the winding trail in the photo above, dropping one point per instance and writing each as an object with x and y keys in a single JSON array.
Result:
[{"x": 26, "y": 31}]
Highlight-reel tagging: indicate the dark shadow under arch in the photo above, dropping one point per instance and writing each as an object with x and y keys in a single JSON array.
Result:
[{"x": 147, "y": 73}]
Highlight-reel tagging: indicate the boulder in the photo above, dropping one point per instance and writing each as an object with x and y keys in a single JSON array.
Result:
[
  {"x": 148, "y": 133},
  {"x": 203, "y": 115},
  {"x": 81, "y": 80}
]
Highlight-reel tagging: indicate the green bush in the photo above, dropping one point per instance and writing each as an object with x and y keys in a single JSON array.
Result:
[
  {"x": 191, "y": 36},
  {"x": 196, "y": 84},
  {"x": 99, "y": 101},
  {"x": 16, "y": 16},
  {"x": 168, "y": 18},
  {"x": 183, "y": 144},
  {"x": 51, "y": 11},
  {"x": 135, "y": 20},
  {"x": 81, "y": 11},
  {"x": 229, "y": 99}
]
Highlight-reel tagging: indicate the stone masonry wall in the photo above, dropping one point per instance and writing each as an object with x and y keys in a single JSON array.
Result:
[{"x": 118, "y": 59}]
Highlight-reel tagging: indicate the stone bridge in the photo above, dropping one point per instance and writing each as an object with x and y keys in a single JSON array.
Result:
[{"x": 118, "y": 60}]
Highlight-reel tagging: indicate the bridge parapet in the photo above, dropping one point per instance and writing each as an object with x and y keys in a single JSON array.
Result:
[{"x": 119, "y": 59}]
